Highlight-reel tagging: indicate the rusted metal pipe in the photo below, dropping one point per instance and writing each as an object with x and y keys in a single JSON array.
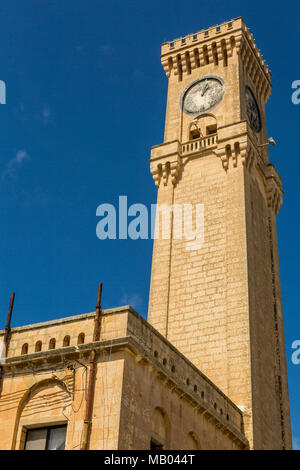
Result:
[
  {"x": 96, "y": 335},
  {"x": 6, "y": 338},
  {"x": 8, "y": 322},
  {"x": 92, "y": 376}
]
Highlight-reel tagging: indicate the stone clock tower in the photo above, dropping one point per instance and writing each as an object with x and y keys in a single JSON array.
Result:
[{"x": 220, "y": 304}]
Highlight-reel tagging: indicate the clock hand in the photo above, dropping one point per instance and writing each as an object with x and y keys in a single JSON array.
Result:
[{"x": 205, "y": 88}]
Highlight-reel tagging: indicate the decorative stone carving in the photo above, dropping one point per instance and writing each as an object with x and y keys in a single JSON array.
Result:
[
  {"x": 274, "y": 190},
  {"x": 165, "y": 163},
  {"x": 165, "y": 171}
]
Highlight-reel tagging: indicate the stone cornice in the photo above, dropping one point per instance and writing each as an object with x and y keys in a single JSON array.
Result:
[
  {"x": 131, "y": 345},
  {"x": 70, "y": 319},
  {"x": 215, "y": 45},
  {"x": 234, "y": 145},
  {"x": 273, "y": 188},
  {"x": 87, "y": 347},
  {"x": 165, "y": 162}
]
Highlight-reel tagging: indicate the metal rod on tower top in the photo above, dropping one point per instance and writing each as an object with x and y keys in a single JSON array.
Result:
[{"x": 8, "y": 322}]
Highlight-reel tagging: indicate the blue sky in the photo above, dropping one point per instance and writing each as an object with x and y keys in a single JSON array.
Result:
[{"x": 85, "y": 102}]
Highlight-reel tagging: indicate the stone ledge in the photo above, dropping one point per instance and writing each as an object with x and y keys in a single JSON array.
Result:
[
  {"x": 131, "y": 344},
  {"x": 73, "y": 318}
]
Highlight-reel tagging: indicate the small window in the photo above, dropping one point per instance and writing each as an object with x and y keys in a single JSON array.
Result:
[
  {"x": 38, "y": 346},
  {"x": 24, "y": 349},
  {"x": 52, "y": 343},
  {"x": 49, "y": 438},
  {"x": 195, "y": 134},
  {"x": 81, "y": 338},
  {"x": 211, "y": 129},
  {"x": 66, "y": 341}
]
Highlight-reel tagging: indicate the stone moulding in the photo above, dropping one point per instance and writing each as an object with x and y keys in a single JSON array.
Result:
[
  {"x": 141, "y": 341},
  {"x": 165, "y": 162},
  {"x": 233, "y": 147},
  {"x": 273, "y": 189},
  {"x": 220, "y": 42},
  {"x": 132, "y": 346}
]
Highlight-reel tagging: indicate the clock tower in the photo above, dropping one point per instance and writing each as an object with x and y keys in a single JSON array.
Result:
[{"x": 220, "y": 303}]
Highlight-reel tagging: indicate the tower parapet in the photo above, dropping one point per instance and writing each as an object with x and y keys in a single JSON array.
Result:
[{"x": 217, "y": 45}]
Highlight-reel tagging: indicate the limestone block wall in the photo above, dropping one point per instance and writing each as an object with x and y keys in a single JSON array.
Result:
[
  {"x": 270, "y": 401},
  {"x": 38, "y": 389},
  {"x": 219, "y": 302},
  {"x": 176, "y": 365},
  {"x": 78, "y": 329},
  {"x": 139, "y": 373},
  {"x": 206, "y": 316},
  {"x": 183, "y": 425}
]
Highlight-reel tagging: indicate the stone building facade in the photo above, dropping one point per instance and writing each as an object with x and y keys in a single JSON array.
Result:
[
  {"x": 145, "y": 389},
  {"x": 214, "y": 308}
]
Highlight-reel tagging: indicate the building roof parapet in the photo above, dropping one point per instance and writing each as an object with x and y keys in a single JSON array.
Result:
[{"x": 186, "y": 53}]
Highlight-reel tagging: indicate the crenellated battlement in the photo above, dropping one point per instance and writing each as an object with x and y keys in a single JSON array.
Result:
[
  {"x": 202, "y": 35},
  {"x": 217, "y": 45}
]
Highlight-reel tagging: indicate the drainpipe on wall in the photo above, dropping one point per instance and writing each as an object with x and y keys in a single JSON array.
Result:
[{"x": 92, "y": 376}]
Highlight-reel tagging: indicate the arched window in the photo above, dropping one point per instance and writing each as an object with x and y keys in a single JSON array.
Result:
[
  {"x": 194, "y": 131},
  {"x": 159, "y": 430},
  {"x": 192, "y": 442},
  {"x": 38, "y": 346},
  {"x": 52, "y": 343},
  {"x": 202, "y": 126},
  {"x": 24, "y": 349},
  {"x": 66, "y": 341},
  {"x": 81, "y": 338}
]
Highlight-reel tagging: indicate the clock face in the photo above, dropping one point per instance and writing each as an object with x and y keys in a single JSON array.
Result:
[
  {"x": 252, "y": 110},
  {"x": 202, "y": 95}
]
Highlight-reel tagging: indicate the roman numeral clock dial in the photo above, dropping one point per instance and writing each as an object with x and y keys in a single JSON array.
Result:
[
  {"x": 202, "y": 95},
  {"x": 252, "y": 110}
]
